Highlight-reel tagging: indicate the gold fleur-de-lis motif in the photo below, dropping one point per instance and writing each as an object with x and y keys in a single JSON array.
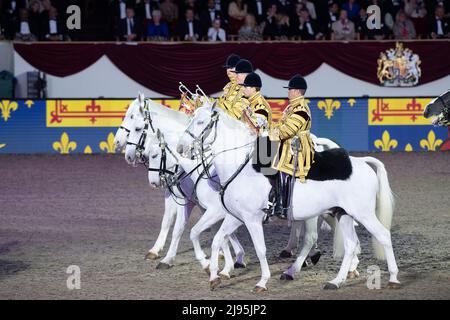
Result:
[
  {"x": 430, "y": 143},
  {"x": 108, "y": 145},
  {"x": 88, "y": 150},
  {"x": 2, "y": 145},
  {"x": 385, "y": 143},
  {"x": 65, "y": 145},
  {"x": 7, "y": 106},
  {"x": 351, "y": 102},
  {"x": 408, "y": 147},
  {"x": 29, "y": 103},
  {"x": 328, "y": 105}
]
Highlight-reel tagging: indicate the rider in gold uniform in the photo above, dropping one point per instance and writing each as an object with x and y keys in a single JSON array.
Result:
[{"x": 295, "y": 122}]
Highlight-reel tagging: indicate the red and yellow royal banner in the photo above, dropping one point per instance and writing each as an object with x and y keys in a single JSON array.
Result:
[
  {"x": 109, "y": 113},
  {"x": 397, "y": 111}
]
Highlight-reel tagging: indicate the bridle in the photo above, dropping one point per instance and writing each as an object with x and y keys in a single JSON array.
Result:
[
  {"x": 206, "y": 166},
  {"x": 445, "y": 119},
  {"x": 140, "y": 145}
]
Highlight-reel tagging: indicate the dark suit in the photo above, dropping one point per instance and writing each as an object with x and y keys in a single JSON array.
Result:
[
  {"x": 303, "y": 31},
  {"x": 433, "y": 27},
  {"x": 135, "y": 28},
  {"x": 183, "y": 29},
  {"x": 206, "y": 22},
  {"x": 253, "y": 9},
  {"x": 45, "y": 29}
]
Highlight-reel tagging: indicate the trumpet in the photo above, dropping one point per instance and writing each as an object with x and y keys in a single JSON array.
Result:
[{"x": 187, "y": 93}]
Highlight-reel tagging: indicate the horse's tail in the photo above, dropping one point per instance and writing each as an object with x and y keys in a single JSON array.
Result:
[{"x": 385, "y": 202}]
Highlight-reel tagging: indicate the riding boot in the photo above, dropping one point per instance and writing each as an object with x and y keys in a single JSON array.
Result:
[
  {"x": 285, "y": 192},
  {"x": 273, "y": 195}
]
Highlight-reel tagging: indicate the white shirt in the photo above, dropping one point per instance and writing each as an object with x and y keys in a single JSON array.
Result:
[
  {"x": 214, "y": 35},
  {"x": 191, "y": 29},
  {"x": 212, "y": 14},
  {"x": 13, "y": 5},
  {"x": 53, "y": 27},
  {"x": 259, "y": 7},
  {"x": 439, "y": 30},
  {"x": 123, "y": 10},
  {"x": 24, "y": 27},
  {"x": 147, "y": 11},
  {"x": 218, "y": 6},
  {"x": 129, "y": 26}
]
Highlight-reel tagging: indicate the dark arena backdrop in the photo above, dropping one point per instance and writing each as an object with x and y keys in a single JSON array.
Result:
[{"x": 69, "y": 201}]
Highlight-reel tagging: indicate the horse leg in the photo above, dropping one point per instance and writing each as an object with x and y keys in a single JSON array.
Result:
[
  {"x": 350, "y": 243},
  {"x": 209, "y": 218},
  {"x": 294, "y": 238},
  {"x": 170, "y": 212},
  {"x": 309, "y": 239},
  {"x": 238, "y": 250},
  {"x": 229, "y": 225},
  {"x": 229, "y": 265},
  {"x": 183, "y": 214},
  {"x": 256, "y": 231},
  {"x": 383, "y": 236}
]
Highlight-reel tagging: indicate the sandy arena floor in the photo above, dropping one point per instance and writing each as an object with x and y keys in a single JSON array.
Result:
[{"x": 100, "y": 214}]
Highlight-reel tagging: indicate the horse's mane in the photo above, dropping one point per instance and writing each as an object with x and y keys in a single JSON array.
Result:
[
  {"x": 234, "y": 124},
  {"x": 168, "y": 112}
]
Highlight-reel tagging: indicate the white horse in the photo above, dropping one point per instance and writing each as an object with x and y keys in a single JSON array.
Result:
[
  {"x": 120, "y": 140},
  {"x": 166, "y": 120},
  {"x": 365, "y": 195}
]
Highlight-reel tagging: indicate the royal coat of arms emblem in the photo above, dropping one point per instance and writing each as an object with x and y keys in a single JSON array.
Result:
[{"x": 399, "y": 67}]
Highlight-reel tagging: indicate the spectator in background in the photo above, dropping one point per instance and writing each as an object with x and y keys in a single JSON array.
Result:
[
  {"x": 52, "y": 28},
  {"x": 352, "y": 9},
  {"x": 393, "y": 6},
  {"x": 157, "y": 30},
  {"x": 258, "y": 9},
  {"x": 416, "y": 11},
  {"x": 24, "y": 29},
  {"x": 305, "y": 27},
  {"x": 403, "y": 27},
  {"x": 285, "y": 6},
  {"x": 438, "y": 26},
  {"x": 308, "y": 5},
  {"x": 189, "y": 28},
  {"x": 284, "y": 29},
  {"x": 208, "y": 16},
  {"x": 237, "y": 11},
  {"x": 169, "y": 11},
  {"x": 332, "y": 16},
  {"x": 344, "y": 28},
  {"x": 35, "y": 17},
  {"x": 144, "y": 11},
  {"x": 270, "y": 24},
  {"x": 361, "y": 25},
  {"x": 216, "y": 33},
  {"x": 250, "y": 31},
  {"x": 130, "y": 27}
]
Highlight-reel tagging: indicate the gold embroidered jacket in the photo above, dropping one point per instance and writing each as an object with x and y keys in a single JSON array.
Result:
[
  {"x": 258, "y": 108},
  {"x": 232, "y": 100},
  {"x": 296, "y": 121}
]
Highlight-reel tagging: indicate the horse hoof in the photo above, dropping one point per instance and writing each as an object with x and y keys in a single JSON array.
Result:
[
  {"x": 259, "y": 289},
  {"x": 286, "y": 277},
  {"x": 163, "y": 266},
  {"x": 353, "y": 274},
  {"x": 214, "y": 283},
  {"x": 394, "y": 285},
  {"x": 151, "y": 256},
  {"x": 285, "y": 254},
  {"x": 207, "y": 270},
  {"x": 224, "y": 276},
  {"x": 238, "y": 265},
  {"x": 330, "y": 286}
]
